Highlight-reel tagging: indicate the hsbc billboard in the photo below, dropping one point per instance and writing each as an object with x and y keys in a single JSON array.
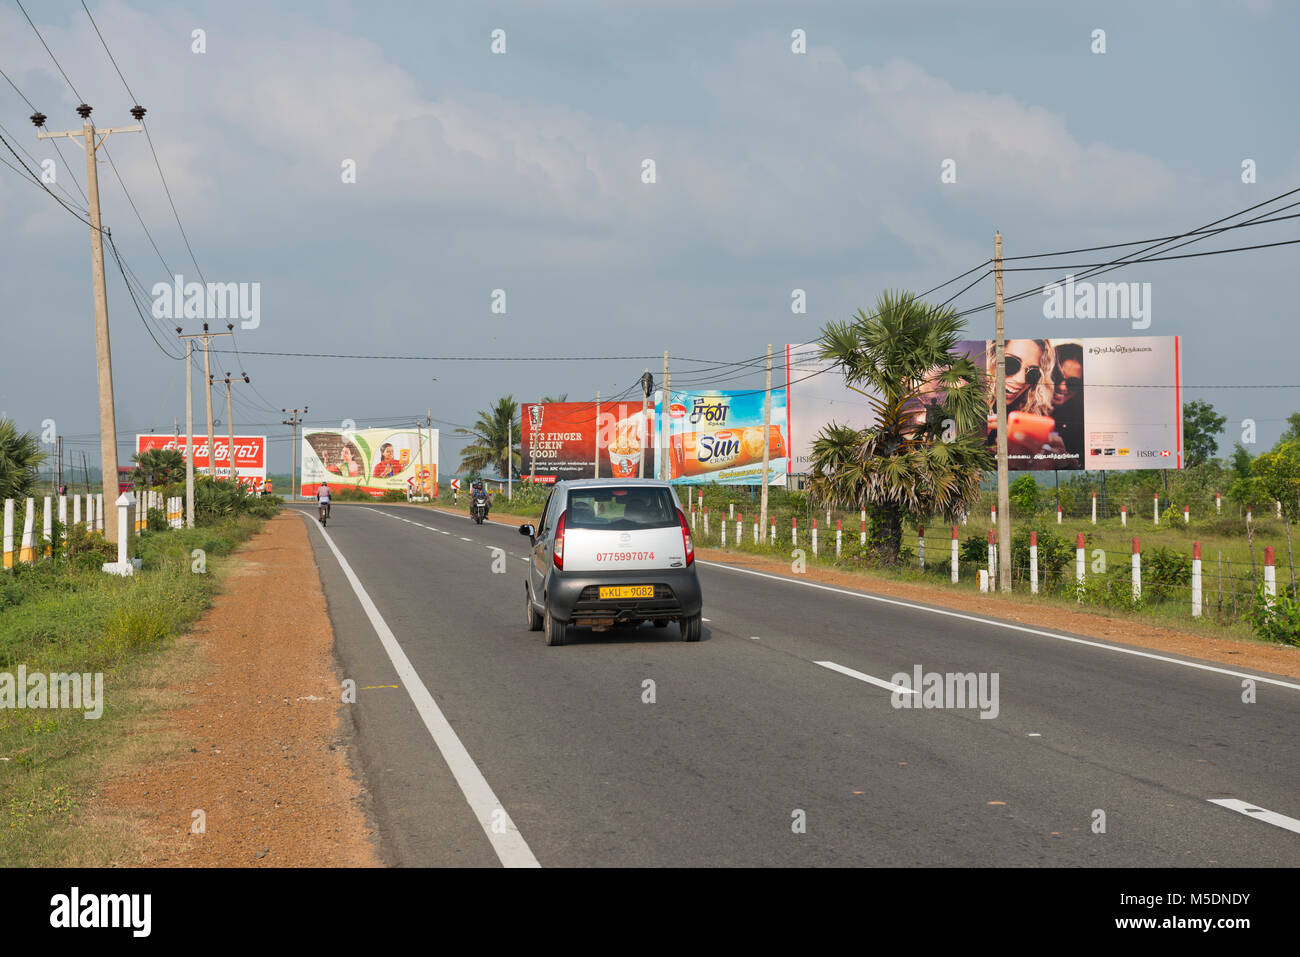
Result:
[{"x": 250, "y": 454}]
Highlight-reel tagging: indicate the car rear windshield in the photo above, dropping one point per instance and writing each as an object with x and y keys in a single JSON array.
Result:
[{"x": 620, "y": 509}]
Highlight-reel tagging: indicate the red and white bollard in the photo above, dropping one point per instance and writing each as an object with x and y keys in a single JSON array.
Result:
[
  {"x": 814, "y": 535},
  {"x": 1058, "y": 513},
  {"x": 993, "y": 516},
  {"x": 1123, "y": 516},
  {"x": 724, "y": 533},
  {"x": 1033, "y": 561},
  {"x": 1270, "y": 573},
  {"x": 1196, "y": 579},
  {"x": 706, "y": 520},
  {"x": 731, "y": 510},
  {"x": 740, "y": 529},
  {"x": 838, "y": 537},
  {"x": 1187, "y": 515},
  {"x": 1094, "y": 508},
  {"x": 794, "y": 532},
  {"x": 1218, "y": 504},
  {"x": 772, "y": 540},
  {"x": 756, "y": 528},
  {"x": 1080, "y": 562},
  {"x": 1156, "y": 504},
  {"x": 862, "y": 535},
  {"x": 1137, "y": 570},
  {"x": 993, "y": 562},
  {"x": 954, "y": 554},
  {"x": 920, "y": 545}
]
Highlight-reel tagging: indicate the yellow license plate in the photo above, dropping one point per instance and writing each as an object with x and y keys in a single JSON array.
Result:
[{"x": 627, "y": 591}]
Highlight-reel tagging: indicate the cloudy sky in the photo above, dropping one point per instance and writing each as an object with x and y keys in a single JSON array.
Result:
[{"x": 522, "y": 171}]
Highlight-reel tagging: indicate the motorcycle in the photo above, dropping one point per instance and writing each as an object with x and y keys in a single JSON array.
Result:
[{"x": 478, "y": 509}]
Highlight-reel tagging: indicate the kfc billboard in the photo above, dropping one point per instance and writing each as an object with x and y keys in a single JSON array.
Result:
[
  {"x": 562, "y": 440},
  {"x": 250, "y": 454}
]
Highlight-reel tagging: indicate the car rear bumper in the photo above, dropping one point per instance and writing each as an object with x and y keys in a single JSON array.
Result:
[{"x": 575, "y": 598}]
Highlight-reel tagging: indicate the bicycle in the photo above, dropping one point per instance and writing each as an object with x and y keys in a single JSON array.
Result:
[{"x": 323, "y": 512}]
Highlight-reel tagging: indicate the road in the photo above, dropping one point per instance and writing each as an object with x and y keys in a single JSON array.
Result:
[{"x": 764, "y": 744}]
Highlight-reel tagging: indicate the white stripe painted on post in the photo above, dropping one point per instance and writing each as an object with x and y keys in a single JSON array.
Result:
[
  {"x": 9, "y": 534},
  {"x": 26, "y": 554}
]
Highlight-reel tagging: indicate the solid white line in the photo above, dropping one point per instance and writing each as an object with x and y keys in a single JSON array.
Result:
[
  {"x": 869, "y": 679},
  {"x": 1003, "y": 624},
  {"x": 1258, "y": 813},
  {"x": 509, "y": 845}
]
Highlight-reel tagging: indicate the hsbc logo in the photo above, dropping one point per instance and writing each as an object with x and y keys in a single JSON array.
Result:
[{"x": 1153, "y": 454}]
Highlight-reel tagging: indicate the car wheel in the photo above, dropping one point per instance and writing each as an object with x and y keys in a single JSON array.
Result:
[
  {"x": 554, "y": 627},
  {"x": 661, "y": 622},
  {"x": 693, "y": 627},
  {"x": 534, "y": 619}
]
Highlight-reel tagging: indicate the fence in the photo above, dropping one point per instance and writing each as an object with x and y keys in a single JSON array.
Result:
[{"x": 22, "y": 545}]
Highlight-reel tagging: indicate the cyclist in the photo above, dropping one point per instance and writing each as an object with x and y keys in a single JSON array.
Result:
[{"x": 323, "y": 502}]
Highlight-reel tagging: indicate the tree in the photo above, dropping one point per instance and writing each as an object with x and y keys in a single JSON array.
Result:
[
  {"x": 496, "y": 439},
  {"x": 1292, "y": 431},
  {"x": 562, "y": 397},
  {"x": 1240, "y": 461},
  {"x": 159, "y": 467},
  {"x": 1277, "y": 474},
  {"x": 924, "y": 453},
  {"x": 1201, "y": 428},
  {"x": 20, "y": 457},
  {"x": 1024, "y": 495}
]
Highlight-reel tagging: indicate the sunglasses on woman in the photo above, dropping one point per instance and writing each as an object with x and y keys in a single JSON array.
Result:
[
  {"x": 1074, "y": 383},
  {"x": 1012, "y": 365}
]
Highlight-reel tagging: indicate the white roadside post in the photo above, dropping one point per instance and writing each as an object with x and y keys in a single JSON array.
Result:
[
  {"x": 1033, "y": 563},
  {"x": 1196, "y": 579},
  {"x": 1058, "y": 513},
  {"x": 954, "y": 554},
  {"x": 1187, "y": 515},
  {"x": 814, "y": 536},
  {"x": 724, "y": 533},
  {"x": 1218, "y": 504},
  {"x": 706, "y": 519},
  {"x": 794, "y": 531},
  {"x": 63, "y": 517},
  {"x": 1270, "y": 573},
  {"x": 1094, "y": 508},
  {"x": 99, "y": 511},
  {"x": 920, "y": 545},
  {"x": 1123, "y": 516},
  {"x": 76, "y": 510},
  {"x": 740, "y": 529},
  {"x": 992, "y": 561},
  {"x": 731, "y": 510},
  {"x": 47, "y": 550},
  {"x": 1137, "y": 570},
  {"x": 1155, "y": 501},
  {"x": 984, "y": 579},
  {"x": 125, "y": 565},
  {"x": 993, "y": 516},
  {"x": 1079, "y": 563},
  {"x": 839, "y": 536},
  {"x": 9, "y": 534},
  {"x": 1279, "y": 508},
  {"x": 862, "y": 534},
  {"x": 27, "y": 552},
  {"x": 756, "y": 517},
  {"x": 772, "y": 531},
  {"x": 90, "y": 513}
]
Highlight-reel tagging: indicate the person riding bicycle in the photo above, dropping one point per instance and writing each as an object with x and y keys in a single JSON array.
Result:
[{"x": 323, "y": 497}]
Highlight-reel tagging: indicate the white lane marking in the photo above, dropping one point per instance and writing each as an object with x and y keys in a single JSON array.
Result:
[
  {"x": 1258, "y": 813},
  {"x": 464, "y": 539},
  {"x": 869, "y": 679},
  {"x": 706, "y": 620},
  {"x": 511, "y": 848},
  {"x": 1032, "y": 734},
  {"x": 1003, "y": 624},
  {"x": 754, "y": 638}
]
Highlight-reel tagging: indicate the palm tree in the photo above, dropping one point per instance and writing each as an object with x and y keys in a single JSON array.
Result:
[
  {"x": 496, "y": 430},
  {"x": 159, "y": 467},
  {"x": 20, "y": 457},
  {"x": 925, "y": 452},
  {"x": 548, "y": 400}
]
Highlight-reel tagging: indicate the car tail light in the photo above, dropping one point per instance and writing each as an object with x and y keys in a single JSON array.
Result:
[
  {"x": 687, "y": 542},
  {"x": 557, "y": 555}
]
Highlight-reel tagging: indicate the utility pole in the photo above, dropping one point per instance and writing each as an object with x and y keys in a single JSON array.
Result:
[
  {"x": 432, "y": 466},
  {"x": 510, "y": 453},
  {"x": 189, "y": 431},
  {"x": 230, "y": 422},
  {"x": 647, "y": 384},
  {"x": 86, "y": 139},
  {"x": 597, "y": 466},
  {"x": 767, "y": 451},
  {"x": 663, "y": 425},
  {"x": 534, "y": 423},
  {"x": 294, "y": 421},
  {"x": 999, "y": 362},
  {"x": 207, "y": 337}
]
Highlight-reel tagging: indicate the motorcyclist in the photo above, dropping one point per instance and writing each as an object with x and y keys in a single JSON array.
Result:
[{"x": 479, "y": 496}]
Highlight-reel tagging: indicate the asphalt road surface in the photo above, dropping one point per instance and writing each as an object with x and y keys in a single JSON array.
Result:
[{"x": 775, "y": 741}]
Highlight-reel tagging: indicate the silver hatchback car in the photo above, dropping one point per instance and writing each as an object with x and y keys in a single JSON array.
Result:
[{"x": 611, "y": 552}]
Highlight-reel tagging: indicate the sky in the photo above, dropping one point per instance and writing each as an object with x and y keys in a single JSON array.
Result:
[{"x": 523, "y": 171}]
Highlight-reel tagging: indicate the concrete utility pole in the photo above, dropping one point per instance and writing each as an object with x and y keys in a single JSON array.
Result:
[
  {"x": 86, "y": 139},
  {"x": 230, "y": 422},
  {"x": 597, "y": 465},
  {"x": 999, "y": 361},
  {"x": 647, "y": 386},
  {"x": 207, "y": 336},
  {"x": 294, "y": 421},
  {"x": 767, "y": 451},
  {"x": 663, "y": 425},
  {"x": 189, "y": 430}
]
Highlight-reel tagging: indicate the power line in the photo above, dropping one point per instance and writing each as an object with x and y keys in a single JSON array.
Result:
[{"x": 1156, "y": 259}]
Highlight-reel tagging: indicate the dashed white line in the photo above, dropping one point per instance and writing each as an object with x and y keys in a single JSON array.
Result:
[
  {"x": 869, "y": 679},
  {"x": 1258, "y": 813}
]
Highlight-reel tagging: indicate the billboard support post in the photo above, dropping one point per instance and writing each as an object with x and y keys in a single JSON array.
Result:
[
  {"x": 767, "y": 443},
  {"x": 596, "y": 466},
  {"x": 999, "y": 365},
  {"x": 510, "y": 451},
  {"x": 662, "y": 464}
]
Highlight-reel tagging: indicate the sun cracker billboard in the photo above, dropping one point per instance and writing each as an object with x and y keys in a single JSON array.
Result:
[
  {"x": 717, "y": 438},
  {"x": 373, "y": 460},
  {"x": 250, "y": 454},
  {"x": 1072, "y": 403},
  {"x": 561, "y": 441}
]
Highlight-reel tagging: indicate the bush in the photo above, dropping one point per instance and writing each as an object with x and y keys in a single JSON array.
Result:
[
  {"x": 1165, "y": 573},
  {"x": 1275, "y": 619},
  {"x": 974, "y": 550},
  {"x": 157, "y": 520},
  {"x": 1024, "y": 495},
  {"x": 1054, "y": 554}
]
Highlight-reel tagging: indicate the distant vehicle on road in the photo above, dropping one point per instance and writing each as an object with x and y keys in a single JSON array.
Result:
[{"x": 612, "y": 552}]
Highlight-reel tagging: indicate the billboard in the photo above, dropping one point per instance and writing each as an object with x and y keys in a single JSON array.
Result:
[
  {"x": 717, "y": 437},
  {"x": 374, "y": 460},
  {"x": 250, "y": 454},
  {"x": 1072, "y": 403},
  {"x": 561, "y": 440}
]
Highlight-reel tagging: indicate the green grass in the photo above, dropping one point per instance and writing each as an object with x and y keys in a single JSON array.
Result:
[{"x": 56, "y": 617}]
